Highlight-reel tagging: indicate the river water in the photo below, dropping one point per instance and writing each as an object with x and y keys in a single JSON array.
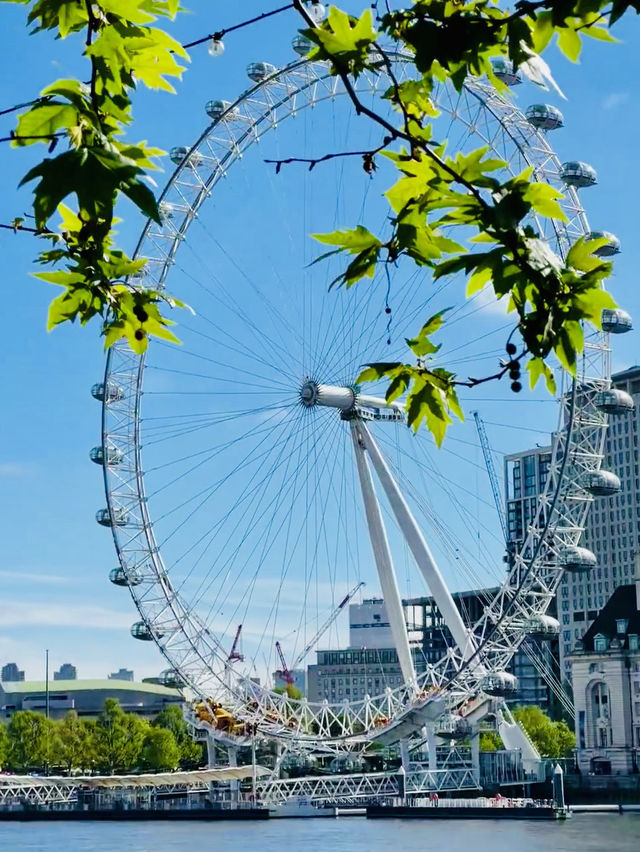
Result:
[{"x": 581, "y": 833}]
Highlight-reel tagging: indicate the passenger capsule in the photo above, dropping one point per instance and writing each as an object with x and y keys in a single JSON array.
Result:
[
  {"x": 500, "y": 684},
  {"x": 112, "y": 457},
  {"x": 259, "y": 71},
  {"x": 578, "y": 174},
  {"x": 119, "y": 577},
  {"x": 110, "y": 393},
  {"x": 577, "y": 560},
  {"x": 542, "y": 626},
  {"x": 454, "y": 727},
  {"x": 601, "y": 483},
  {"x": 504, "y": 71},
  {"x": 614, "y": 401},
  {"x": 172, "y": 678},
  {"x": 616, "y": 321},
  {"x": 166, "y": 210},
  {"x": 611, "y": 247},
  {"x": 140, "y": 630},
  {"x": 221, "y": 111},
  {"x": 119, "y": 519},
  {"x": 302, "y": 45},
  {"x": 180, "y": 155},
  {"x": 544, "y": 117}
]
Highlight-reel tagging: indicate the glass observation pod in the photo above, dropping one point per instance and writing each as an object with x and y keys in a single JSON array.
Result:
[
  {"x": 616, "y": 321},
  {"x": 500, "y": 684},
  {"x": 542, "y": 627},
  {"x": 611, "y": 247},
  {"x": 580, "y": 175},
  {"x": 111, "y": 393},
  {"x": 119, "y": 578},
  {"x": 112, "y": 457},
  {"x": 601, "y": 483},
  {"x": 577, "y": 560},
  {"x": 120, "y": 518},
  {"x": 302, "y": 45},
  {"x": 503, "y": 69},
  {"x": 180, "y": 154},
  {"x": 172, "y": 678},
  {"x": 614, "y": 401},
  {"x": 454, "y": 727},
  {"x": 221, "y": 111},
  {"x": 544, "y": 117},
  {"x": 259, "y": 71},
  {"x": 140, "y": 630}
]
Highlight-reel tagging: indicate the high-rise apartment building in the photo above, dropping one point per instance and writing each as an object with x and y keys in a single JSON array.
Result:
[
  {"x": 122, "y": 674},
  {"x": 11, "y": 673},
  {"x": 66, "y": 672},
  {"x": 613, "y": 525}
]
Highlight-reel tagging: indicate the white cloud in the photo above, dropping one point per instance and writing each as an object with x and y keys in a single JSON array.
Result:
[
  {"x": 28, "y": 577},
  {"x": 615, "y": 99},
  {"x": 64, "y": 615},
  {"x": 15, "y": 469}
]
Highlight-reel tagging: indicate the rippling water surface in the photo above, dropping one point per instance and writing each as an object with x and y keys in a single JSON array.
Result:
[{"x": 582, "y": 833}]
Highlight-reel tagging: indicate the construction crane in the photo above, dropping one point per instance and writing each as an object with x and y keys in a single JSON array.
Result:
[
  {"x": 326, "y": 625},
  {"x": 234, "y": 654},
  {"x": 491, "y": 470},
  {"x": 285, "y": 672}
]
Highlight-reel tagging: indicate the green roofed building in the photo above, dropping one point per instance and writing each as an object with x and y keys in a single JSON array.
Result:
[{"x": 86, "y": 697}]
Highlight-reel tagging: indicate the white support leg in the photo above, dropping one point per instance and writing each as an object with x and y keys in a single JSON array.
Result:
[
  {"x": 418, "y": 546},
  {"x": 384, "y": 564}
]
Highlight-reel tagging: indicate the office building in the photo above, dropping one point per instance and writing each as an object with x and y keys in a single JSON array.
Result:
[
  {"x": 66, "y": 672},
  {"x": 11, "y": 673},
  {"x": 122, "y": 674}
]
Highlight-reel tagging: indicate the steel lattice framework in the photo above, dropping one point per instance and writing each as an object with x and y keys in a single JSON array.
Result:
[{"x": 185, "y": 640}]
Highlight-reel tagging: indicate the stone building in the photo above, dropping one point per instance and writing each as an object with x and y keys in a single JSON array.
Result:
[{"x": 606, "y": 687}]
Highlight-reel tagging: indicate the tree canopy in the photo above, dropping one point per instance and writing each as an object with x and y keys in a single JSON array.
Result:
[{"x": 437, "y": 193}]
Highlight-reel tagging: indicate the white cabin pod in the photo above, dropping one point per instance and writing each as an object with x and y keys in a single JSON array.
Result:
[
  {"x": 142, "y": 631},
  {"x": 577, "y": 560},
  {"x": 110, "y": 458},
  {"x": 542, "y": 626},
  {"x": 454, "y": 727},
  {"x": 107, "y": 393},
  {"x": 580, "y": 175},
  {"x": 544, "y": 117},
  {"x": 504, "y": 71},
  {"x": 500, "y": 685},
  {"x": 616, "y": 321},
  {"x": 614, "y": 401},
  {"x": 119, "y": 577},
  {"x": 259, "y": 71},
  {"x": 106, "y": 519},
  {"x": 302, "y": 45},
  {"x": 611, "y": 247},
  {"x": 180, "y": 154},
  {"x": 601, "y": 483},
  {"x": 221, "y": 111}
]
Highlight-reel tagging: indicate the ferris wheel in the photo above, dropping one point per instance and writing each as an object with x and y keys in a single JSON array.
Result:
[{"x": 250, "y": 481}]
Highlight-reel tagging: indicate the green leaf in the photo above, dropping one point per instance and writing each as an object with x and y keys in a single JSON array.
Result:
[
  {"x": 536, "y": 367},
  {"x": 569, "y": 43},
  {"x": 542, "y": 198},
  {"x": 354, "y": 241},
  {"x": 44, "y": 121}
]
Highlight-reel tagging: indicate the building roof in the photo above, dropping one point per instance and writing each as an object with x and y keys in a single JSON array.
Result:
[
  {"x": 197, "y": 777},
  {"x": 28, "y": 686},
  {"x": 621, "y": 605},
  {"x": 629, "y": 373}
]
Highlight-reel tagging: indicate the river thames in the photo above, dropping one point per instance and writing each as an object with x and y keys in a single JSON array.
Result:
[{"x": 582, "y": 833}]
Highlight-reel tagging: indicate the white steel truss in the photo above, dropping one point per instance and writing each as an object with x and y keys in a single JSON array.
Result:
[{"x": 234, "y": 708}]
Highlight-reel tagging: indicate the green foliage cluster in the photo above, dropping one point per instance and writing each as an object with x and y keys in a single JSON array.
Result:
[
  {"x": 123, "y": 49},
  {"x": 552, "y": 739},
  {"x": 114, "y": 742},
  {"x": 437, "y": 194}
]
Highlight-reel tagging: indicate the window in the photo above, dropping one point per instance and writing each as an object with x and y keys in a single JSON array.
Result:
[
  {"x": 633, "y": 646},
  {"x": 600, "y": 643},
  {"x": 621, "y": 625}
]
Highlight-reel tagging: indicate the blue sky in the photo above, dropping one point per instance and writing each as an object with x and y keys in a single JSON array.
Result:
[{"x": 55, "y": 559}]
